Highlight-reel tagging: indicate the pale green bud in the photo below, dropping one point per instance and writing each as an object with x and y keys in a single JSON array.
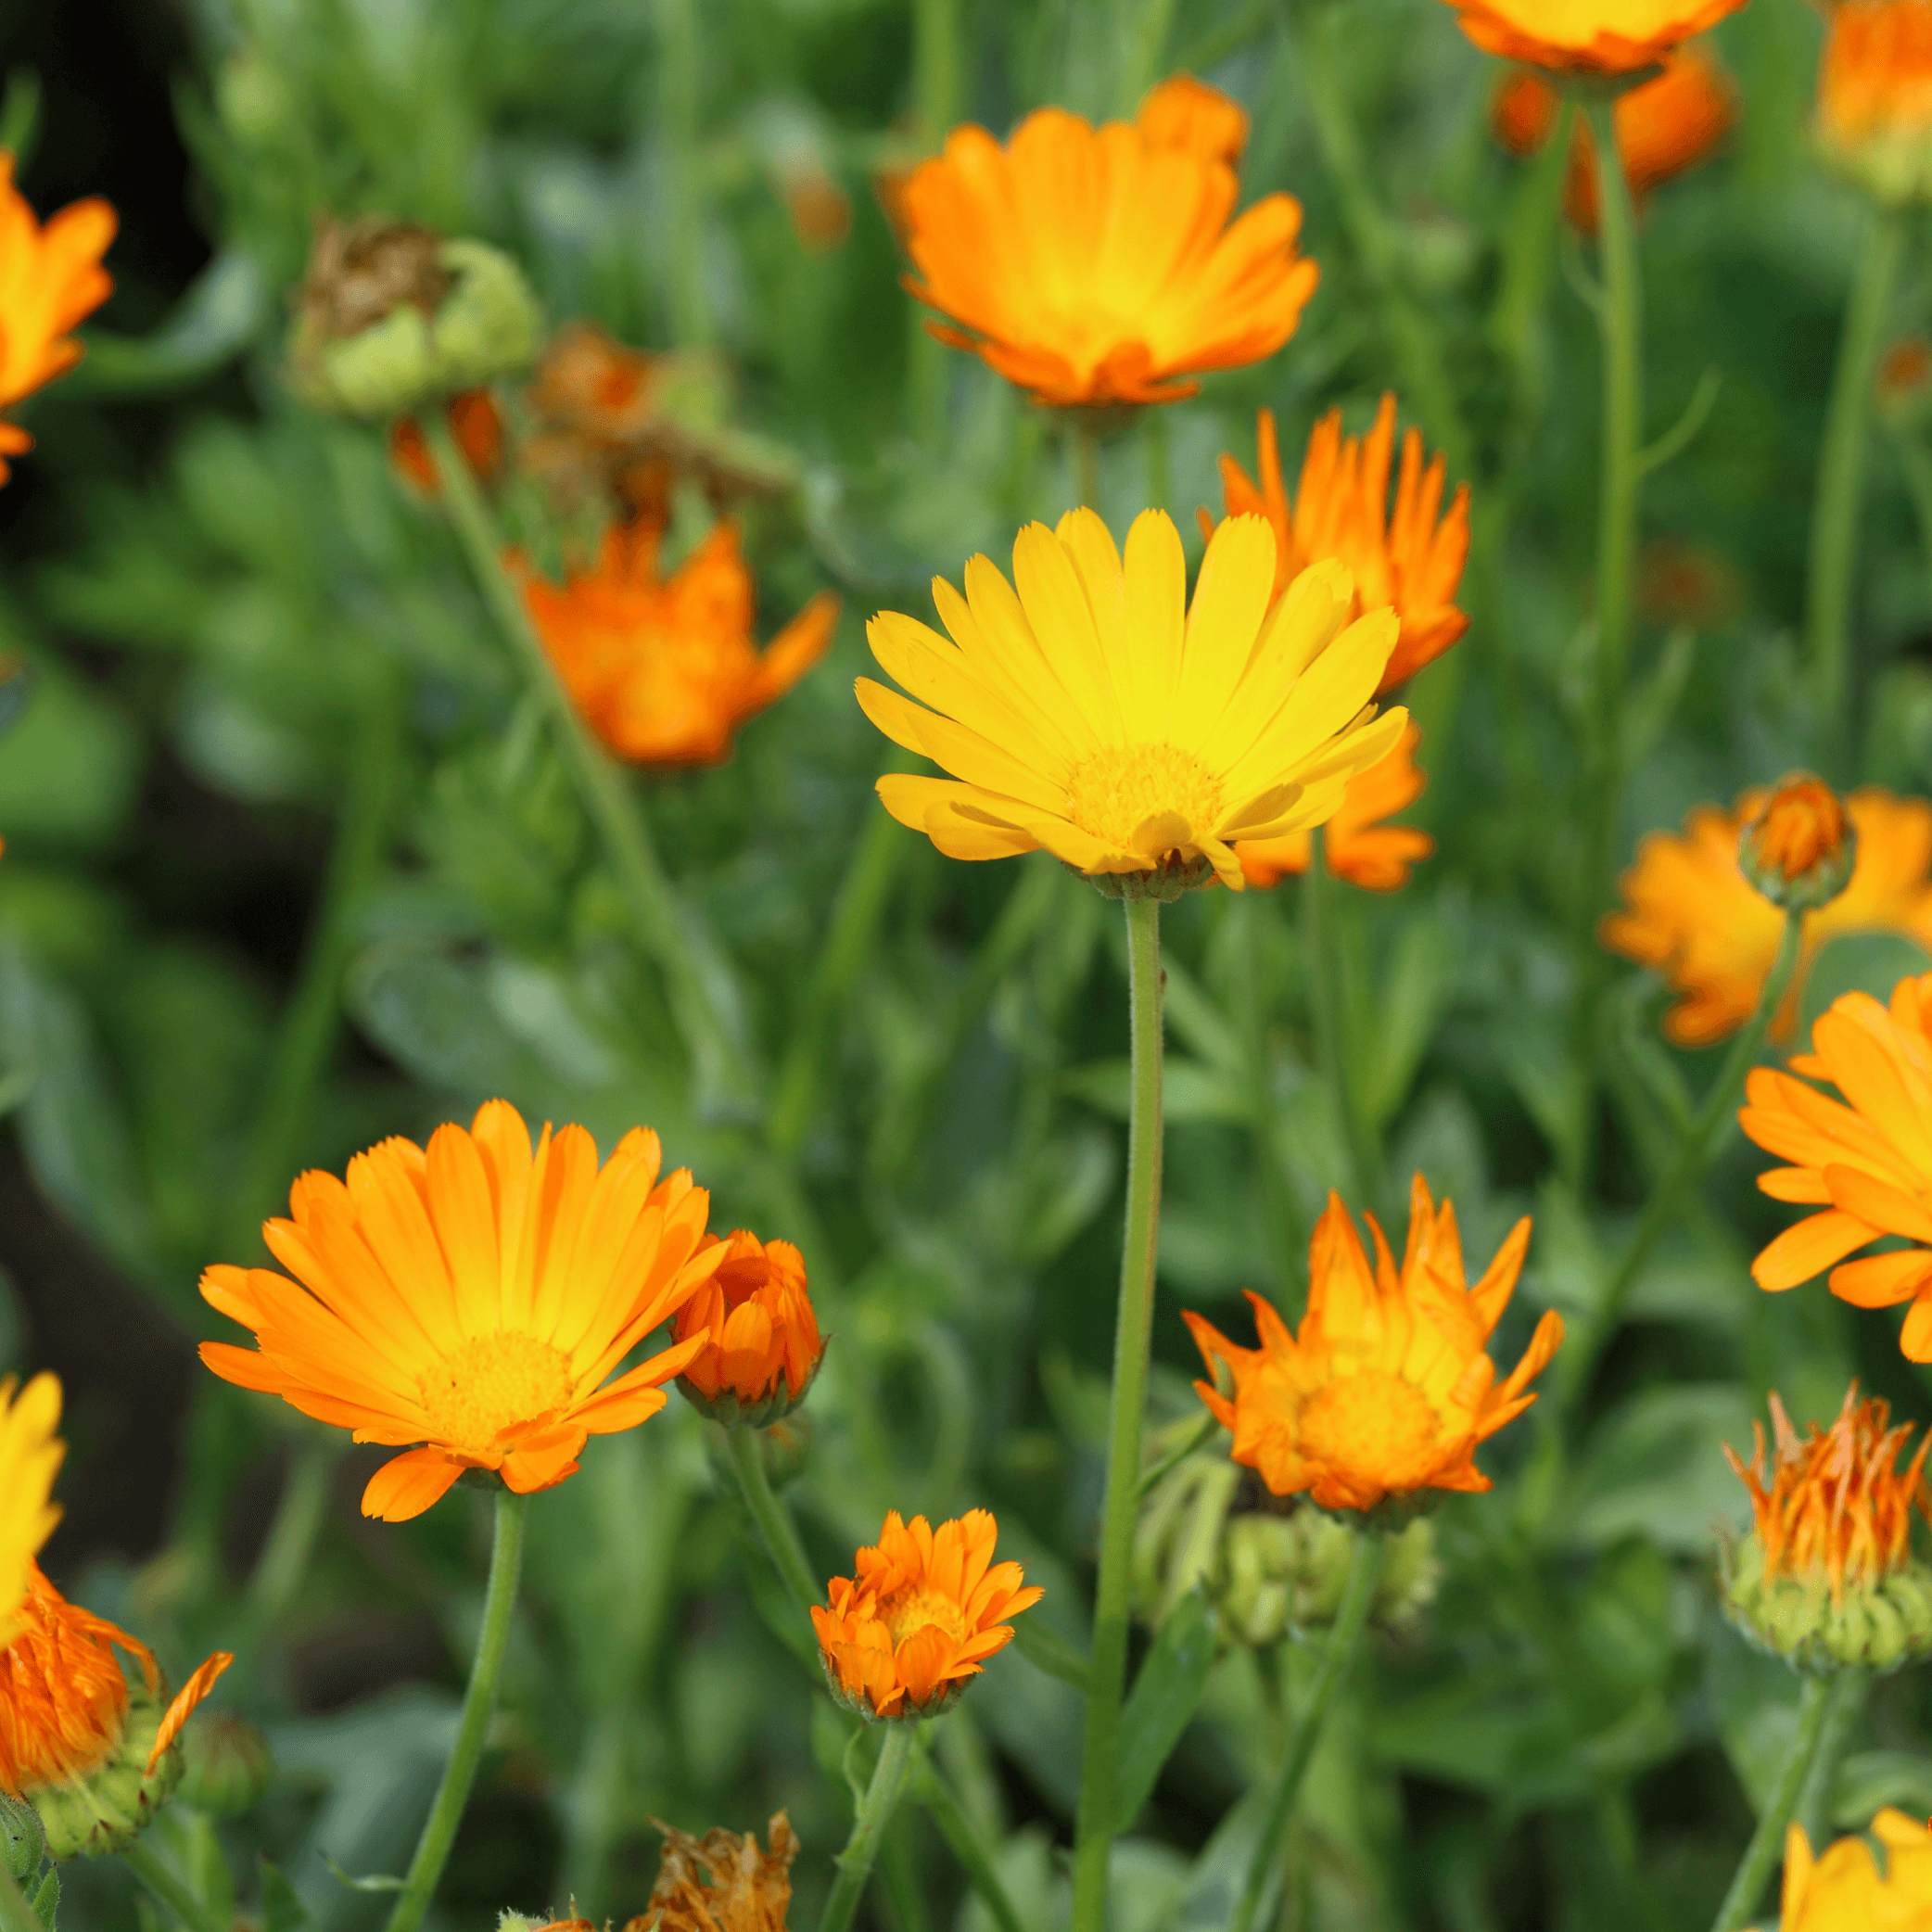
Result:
[
  {"x": 22, "y": 1842},
  {"x": 109, "y": 1807},
  {"x": 227, "y": 1764},
  {"x": 1877, "y": 1625}
]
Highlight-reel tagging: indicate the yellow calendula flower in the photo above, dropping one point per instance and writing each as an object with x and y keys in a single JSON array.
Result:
[
  {"x": 30, "y": 1456},
  {"x": 1842, "y": 1891},
  {"x": 1088, "y": 709}
]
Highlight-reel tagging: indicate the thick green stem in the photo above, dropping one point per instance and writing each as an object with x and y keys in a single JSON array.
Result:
[
  {"x": 935, "y": 1795},
  {"x": 16, "y": 1916},
  {"x": 157, "y": 1878},
  {"x": 1841, "y": 474},
  {"x": 1848, "y": 1703},
  {"x": 683, "y": 167},
  {"x": 1767, "y": 1845},
  {"x": 1365, "y": 1571},
  {"x": 1321, "y": 946},
  {"x": 698, "y": 978},
  {"x": 874, "y": 1813},
  {"x": 1578, "y": 1359},
  {"x": 774, "y": 1520},
  {"x": 478, "y": 1703},
  {"x": 1133, "y": 1331}
]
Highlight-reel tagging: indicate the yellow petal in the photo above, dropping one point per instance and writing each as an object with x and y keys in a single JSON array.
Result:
[
  {"x": 1230, "y": 599},
  {"x": 1063, "y": 622},
  {"x": 965, "y": 753},
  {"x": 1156, "y": 577}
]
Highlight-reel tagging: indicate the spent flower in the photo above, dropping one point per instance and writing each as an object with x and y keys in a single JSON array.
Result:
[{"x": 721, "y": 1882}]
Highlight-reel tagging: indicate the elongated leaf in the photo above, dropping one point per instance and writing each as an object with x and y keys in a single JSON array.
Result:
[
  {"x": 1047, "y": 1651},
  {"x": 1164, "y": 1698}
]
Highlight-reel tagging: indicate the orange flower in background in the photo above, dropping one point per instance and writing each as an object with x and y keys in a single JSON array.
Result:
[
  {"x": 1587, "y": 36},
  {"x": 1694, "y": 917},
  {"x": 1356, "y": 845},
  {"x": 665, "y": 669},
  {"x": 50, "y": 278},
  {"x": 1412, "y": 560},
  {"x": 1663, "y": 127},
  {"x": 1094, "y": 266},
  {"x": 1842, "y": 1891},
  {"x": 1866, "y": 1164},
  {"x": 1385, "y": 1390},
  {"x": 1875, "y": 94},
  {"x": 925, "y": 1610},
  {"x": 761, "y": 1340},
  {"x": 721, "y": 1882},
  {"x": 477, "y": 426},
  {"x": 29, "y": 1458},
  {"x": 472, "y": 1298},
  {"x": 1835, "y": 1504}
]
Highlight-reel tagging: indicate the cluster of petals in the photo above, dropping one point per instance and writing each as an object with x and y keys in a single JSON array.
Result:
[
  {"x": 1356, "y": 844},
  {"x": 1587, "y": 36},
  {"x": 1411, "y": 561},
  {"x": 721, "y": 1882},
  {"x": 1664, "y": 126},
  {"x": 666, "y": 669},
  {"x": 1090, "y": 709},
  {"x": 1863, "y": 1162},
  {"x": 1843, "y": 1889},
  {"x": 1834, "y": 1502},
  {"x": 924, "y": 1610},
  {"x": 1694, "y": 916},
  {"x": 472, "y": 1298},
  {"x": 1386, "y": 1389},
  {"x": 1094, "y": 266},
  {"x": 754, "y": 1319},
  {"x": 51, "y": 278},
  {"x": 29, "y": 1458}
]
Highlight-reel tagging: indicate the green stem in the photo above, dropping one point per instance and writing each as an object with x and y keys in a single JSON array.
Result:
[
  {"x": 1146, "y": 54},
  {"x": 869, "y": 1822},
  {"x": 1767, "y": 1845},
  {"x": 159, "y": 1879},
  {"x": 284, "y": 1557},
  {"x": 935, "y": 92},
  {"x": 16, "y": 1916},
  {"x": 1287, "y": 1239},
  {"x": 774, "y": 1520},
  {"x": 1133, "y": 1331},
  {"x": 1365, "y": 1571},
  {"x": 479, "y": 1702},
  {"x": 1577, "y": 1360},
  {"x": 935, "y": 1796},
  {"x": 678, "y": 118},
  {"x": 698, "y": 978},
  {"x": 1087, "y": 463},
  {"x": 1841, "y": 473},
  {"x": 1319, "y": 939},
  {"x": 1850, "y": 1684}
]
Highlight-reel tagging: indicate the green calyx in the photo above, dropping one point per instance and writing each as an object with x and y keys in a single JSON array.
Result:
[
  {"x": 1169, "y": 880},
  {"x": 22, "y": 1842},
  {"x": 112, "y": 1804},
  {"x": 1894, "y": 167},
  {"x": 774, "y": 1406},
  {"x": 1880, "y": 1625}
]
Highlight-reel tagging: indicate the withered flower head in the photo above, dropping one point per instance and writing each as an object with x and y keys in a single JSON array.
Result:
[{"x": 721, "y": 1882}]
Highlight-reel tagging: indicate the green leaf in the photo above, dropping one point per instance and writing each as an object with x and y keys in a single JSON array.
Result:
[
  {"x": 208, "y": 1869},
  {"x": 46, "y": 1900},
  {"x": 1657, "y": 1468},
  {"x": 1047, "y": 1651},
  {"x": 1165, "y": 1698},
  {"x": 215, "y": 320},
  {"x": 282, "y": 1911},
  {"x": 1869, "y": 1781},
  {"x": 376, "y": 1882},
  {"x": 1407, "y": 1007}
]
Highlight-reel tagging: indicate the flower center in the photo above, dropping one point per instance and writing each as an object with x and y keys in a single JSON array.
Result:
[
  {"x": 1373, "y": 1425},
  {"x": 1145, "y": 798},
  {"x": 914, "y": 1609},
  {"x": 491, "y": 1383}
]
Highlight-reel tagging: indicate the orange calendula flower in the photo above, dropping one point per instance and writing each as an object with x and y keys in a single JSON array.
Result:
[
  {"x": 1865, "y": 1164},
  {"x": 477, "y": 426},
  {"x": 472, "y": 1298},
  {"x": 1094, "y": 266},
  {"x": 50, "y": 278},
  {"x": 1587, "y": 36},
  {"x": 1874, "y": 94},
  {"x": 1386, "y": 1389},
  {"x": 1696, "y": 917},
  {"x": 665, "y": 669},
  {"x": 761, "y": 1340},
  {"x": 1663, "y": 127},
  {"x": 1412, "y": 562},
  {"x": 29, "y": 1458},
  {"x": 1843, "y": 1890},
  {"x": 1356, "y": 844},
  {"x": 721, "y": 1882},
  {"x": 925, "y": 1610}
]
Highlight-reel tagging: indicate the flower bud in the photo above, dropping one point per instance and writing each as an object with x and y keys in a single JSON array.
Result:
[
  {"x": 761, "y": 1342},
  {"x": 1801, "y": 849},
  {"x": 109, "y": 1806},
  {"x": 1874, "y": 110},
  {"x": 227, "y": 1764},
  {"x": 22, "y": 1842}
]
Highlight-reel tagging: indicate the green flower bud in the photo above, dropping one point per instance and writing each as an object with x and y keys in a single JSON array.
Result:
[
  {"x": 1879, "y": 1626},
  {"x": 112, "y": 1804},
  {"x": 22, "y": 1842},
  {"x": 227, "y": 1764}
]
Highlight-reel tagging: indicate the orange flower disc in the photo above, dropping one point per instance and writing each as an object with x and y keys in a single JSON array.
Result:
[
  {"x": 664, "y": 669},
  {"x": 761, "y": 1345},
  {"x": 1874, "y": 94},
  {"x": 1356, "y": 844},
  {"x": 29, "y": 1458},
  {"x": 50, "y": 278},
  {"x": 1412, "y": 560},
  {"x": 1843, "y": 1891},
  {"x": 1386, "y": 1389},
  {"x": 721, "y": 1882},
  {"x": 1093, "y": 266},
  {"x": 1587, "y": 36},
  {"x": 1696, "y": 917},
  {"x": 472, "y": 1299},
  {"x": 925, "y": 1610}
]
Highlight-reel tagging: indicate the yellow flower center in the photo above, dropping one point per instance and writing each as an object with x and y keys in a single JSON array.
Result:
[
  {"x": 1375, "y": 1425},
  {"x": 491, "y": 1383},
  {"x": 1144, "y": 797},
  {"x": 914, "y": 1610}
]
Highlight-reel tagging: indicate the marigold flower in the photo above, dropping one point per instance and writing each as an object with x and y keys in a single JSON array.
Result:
[
  {"x": 1587, "y": 36},
  {"x": 95, "y": 1756},
  {"x": 1694, "y": 917},
  {"x": 741, "y": 1889},
  {"x": 29, "y": 1458},
  {"x": 1412, "y": 562},
  {"x": 472, "y": 1299},
  {"x": 761, "y": 1342},
  {"x": 1663, "y": 127},
  {"x": 50, "y": 278},
  {"x": 1095, "y": 715},
  {"x": 477, "y": 426},
  {"x": 1842, "y": 1891},
  {"x": 1385, "y": 1391},
  {"x": 1093, "y": 266},
  {"x": 1355, "y": 844},
  {"x": 925, "y": 1610},
  {"x": 664, "y": 668},
  {"x": 1874, "y": 94}
]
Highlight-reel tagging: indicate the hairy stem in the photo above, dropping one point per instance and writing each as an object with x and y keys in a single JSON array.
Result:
[
  {"x": 161, "y": 1883},
  {"x": 774, "y": 1520},
  {"x": 1321, "y": 943},
  {"x": 869, "y": 1822},
  {"x": 1767, "y": 1844}
]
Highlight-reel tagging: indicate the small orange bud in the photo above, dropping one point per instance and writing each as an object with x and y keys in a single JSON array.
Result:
[
  {"x": 763, "y": 1346},
  {"x": 1799, "y": 851}
]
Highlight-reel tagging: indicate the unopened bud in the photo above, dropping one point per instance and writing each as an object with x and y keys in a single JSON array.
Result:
[
  {"x": 227, "y": 1764},
  {"x": 1800, "y": 848},
  {"x": 113, "y": 1803},
  {"x": 22, "y": 1842}
]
